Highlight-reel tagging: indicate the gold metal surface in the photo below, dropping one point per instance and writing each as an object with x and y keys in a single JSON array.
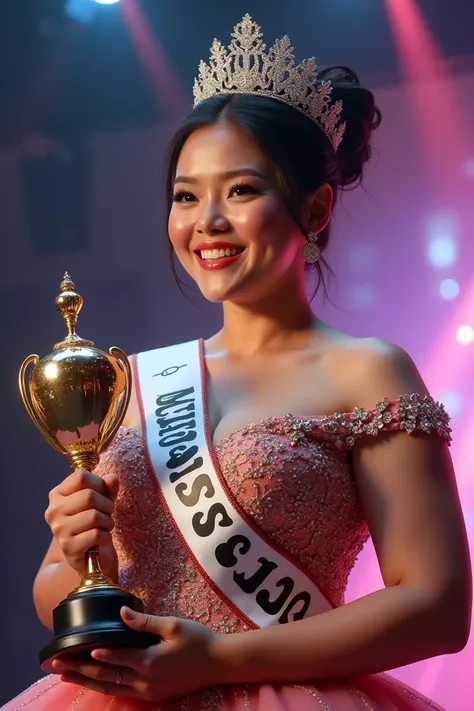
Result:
[
  {"x": 77, "y": 397},
  {"x": 94, "y": 578}
]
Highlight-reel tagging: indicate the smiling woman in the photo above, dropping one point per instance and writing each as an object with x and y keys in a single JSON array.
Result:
[
  {"x": 288, "y": 171},
  {"x": 236, "y": 522},
  {"x": 239, "y": 207}
]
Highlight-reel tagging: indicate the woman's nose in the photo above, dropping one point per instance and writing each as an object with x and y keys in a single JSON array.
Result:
[{"x": 211, "y": 221}]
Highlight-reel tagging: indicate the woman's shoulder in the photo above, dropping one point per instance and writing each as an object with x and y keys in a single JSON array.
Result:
[
  {"x": 371, "y": 369},
  {"x": 366, "y": 352},
  {"x": 382, "y": 391}
]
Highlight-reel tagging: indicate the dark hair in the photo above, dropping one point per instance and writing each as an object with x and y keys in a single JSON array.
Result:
[{"x": 300, "y": 151}]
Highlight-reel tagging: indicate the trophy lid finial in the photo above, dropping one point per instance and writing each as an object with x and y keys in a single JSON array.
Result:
[
  {"x": 67, "y": 282},
  {"x": 69, "y": 303}
]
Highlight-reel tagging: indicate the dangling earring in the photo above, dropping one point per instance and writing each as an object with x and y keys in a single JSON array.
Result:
[{"x": 311, "y": 251}]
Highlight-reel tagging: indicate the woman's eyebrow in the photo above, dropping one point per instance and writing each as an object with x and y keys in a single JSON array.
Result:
[{"x": 224, "y": 176}]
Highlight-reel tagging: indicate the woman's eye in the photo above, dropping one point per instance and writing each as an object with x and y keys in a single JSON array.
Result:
[
  {"x": 243, "y": 189},
  {"x": 183, "y": 196},
  {"x": 238, "y": 190}
]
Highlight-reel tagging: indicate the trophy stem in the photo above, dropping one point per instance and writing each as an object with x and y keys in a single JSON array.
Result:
[
  {"x": 92, "y": 557},
  {"x": 83, "y": 460},
  {"x": 94, "y": 578}
]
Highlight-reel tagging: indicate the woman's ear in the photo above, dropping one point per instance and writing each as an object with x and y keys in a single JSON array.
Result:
[{"x": 319, "y": 208}]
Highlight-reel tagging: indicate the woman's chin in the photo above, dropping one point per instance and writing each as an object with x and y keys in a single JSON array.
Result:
[
  {"x": 216, "y": 296},
  {"x": 217, "y": 293}
]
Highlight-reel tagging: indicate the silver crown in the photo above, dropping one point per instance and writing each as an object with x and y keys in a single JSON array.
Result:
[{"x": 245, "y": 68}]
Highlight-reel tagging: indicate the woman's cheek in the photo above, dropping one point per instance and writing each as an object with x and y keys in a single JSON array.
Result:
[
  {"x": 261, "y": 218},
  {"x": 179, "y": 230}
]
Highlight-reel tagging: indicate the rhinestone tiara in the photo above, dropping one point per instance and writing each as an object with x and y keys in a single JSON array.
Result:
[{"x": 246, "y": 68}]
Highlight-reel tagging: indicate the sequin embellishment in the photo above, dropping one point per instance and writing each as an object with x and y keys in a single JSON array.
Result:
[
  {"x": 291, "y": 477},
  {"x": 410, "y": 413}
]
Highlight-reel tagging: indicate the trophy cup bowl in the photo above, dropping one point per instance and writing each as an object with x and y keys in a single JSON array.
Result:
[{"x": 77, "y": 397}]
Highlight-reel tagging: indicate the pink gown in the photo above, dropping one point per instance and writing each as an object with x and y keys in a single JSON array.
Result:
[{"x": 291, "y": 478}]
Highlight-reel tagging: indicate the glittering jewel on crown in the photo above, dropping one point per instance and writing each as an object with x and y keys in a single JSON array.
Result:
[{"x": 246, "y": 68}]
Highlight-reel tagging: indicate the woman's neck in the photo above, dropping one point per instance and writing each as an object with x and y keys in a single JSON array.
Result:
[{"x": 271, "y": 326}]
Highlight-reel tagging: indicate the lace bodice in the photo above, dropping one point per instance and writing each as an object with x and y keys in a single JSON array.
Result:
[{"x": 291, "y": 476}]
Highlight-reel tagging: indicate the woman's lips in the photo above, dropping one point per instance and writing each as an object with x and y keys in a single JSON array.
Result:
[{"x": 219, "y": 263}]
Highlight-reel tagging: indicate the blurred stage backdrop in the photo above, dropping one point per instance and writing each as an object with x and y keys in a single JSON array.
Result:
[{"x": 89, "y": 94}]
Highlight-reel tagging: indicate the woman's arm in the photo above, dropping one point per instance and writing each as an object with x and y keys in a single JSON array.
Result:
[
  {"x": 409, "y": 496},
  {"x": 54, "y": 580}
]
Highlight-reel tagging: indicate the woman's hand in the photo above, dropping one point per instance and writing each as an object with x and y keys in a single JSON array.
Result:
[
  {"x": 80, "y": 517},
  {"x": 180, "y": 665}
]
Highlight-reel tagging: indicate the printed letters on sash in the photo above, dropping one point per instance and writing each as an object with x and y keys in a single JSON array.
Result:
[{"x": 262, "y": 583}]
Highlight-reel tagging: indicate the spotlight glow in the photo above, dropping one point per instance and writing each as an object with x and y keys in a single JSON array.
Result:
[
  {"x": 452, "y": 402},
  {"x": 465, "y": 335},
  {"x": 442, "y": 233},
  {"x": 84, "y": 11},
  {"x": 442, "y": 251},
  {"x": 449, "y": 289}
]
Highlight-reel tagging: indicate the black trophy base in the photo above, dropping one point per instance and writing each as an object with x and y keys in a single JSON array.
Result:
[{"x": 89, "y": 619}]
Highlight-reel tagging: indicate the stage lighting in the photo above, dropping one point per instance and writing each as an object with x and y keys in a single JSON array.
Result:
[
  {"x": 84, "y": 11},
  {"x": 452, "y": 402},
  {"x": 449, "y": 289},
  {"x": 442, "y": 232},
  {"x": 465, "y": 335},
  {"x": 442, "y": 252}
]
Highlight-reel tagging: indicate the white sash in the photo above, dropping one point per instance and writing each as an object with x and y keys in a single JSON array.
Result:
[{"x": 260, "y": 582}]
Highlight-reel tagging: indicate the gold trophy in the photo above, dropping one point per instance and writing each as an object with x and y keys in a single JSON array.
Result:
[{"x": 77, "y": 397}]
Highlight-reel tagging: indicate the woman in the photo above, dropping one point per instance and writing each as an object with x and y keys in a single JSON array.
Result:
[{"x": 236, "y": 522}]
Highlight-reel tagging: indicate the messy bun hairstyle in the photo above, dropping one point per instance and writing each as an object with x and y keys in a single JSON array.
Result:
[{"x": 302, "y": 155}]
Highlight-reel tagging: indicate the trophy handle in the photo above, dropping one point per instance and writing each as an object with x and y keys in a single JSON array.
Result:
[
  {"x": 123, "y": 361},
  {"x": 24, "y": 390}
]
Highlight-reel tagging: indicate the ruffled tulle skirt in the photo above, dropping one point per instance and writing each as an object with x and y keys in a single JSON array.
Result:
[{"x": 372, "y": 693}]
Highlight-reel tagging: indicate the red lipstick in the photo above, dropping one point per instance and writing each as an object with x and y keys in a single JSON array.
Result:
[{"x": 220, "y": 262}]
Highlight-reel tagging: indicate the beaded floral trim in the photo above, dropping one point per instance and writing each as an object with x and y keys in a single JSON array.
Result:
[{"x": 409, "y": 413}]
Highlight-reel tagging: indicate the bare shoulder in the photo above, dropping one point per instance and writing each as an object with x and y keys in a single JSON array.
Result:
[{"x": 371, "y": 369}]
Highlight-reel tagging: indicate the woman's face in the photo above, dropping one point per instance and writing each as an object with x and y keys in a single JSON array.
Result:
[{"x": 228, "y": 225}]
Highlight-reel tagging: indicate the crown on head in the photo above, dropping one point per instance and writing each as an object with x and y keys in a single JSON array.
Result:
[{"x": 245, "y": 68}]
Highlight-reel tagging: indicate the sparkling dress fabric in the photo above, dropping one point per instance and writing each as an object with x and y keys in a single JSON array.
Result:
[{"x": 291, "y": 478}]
